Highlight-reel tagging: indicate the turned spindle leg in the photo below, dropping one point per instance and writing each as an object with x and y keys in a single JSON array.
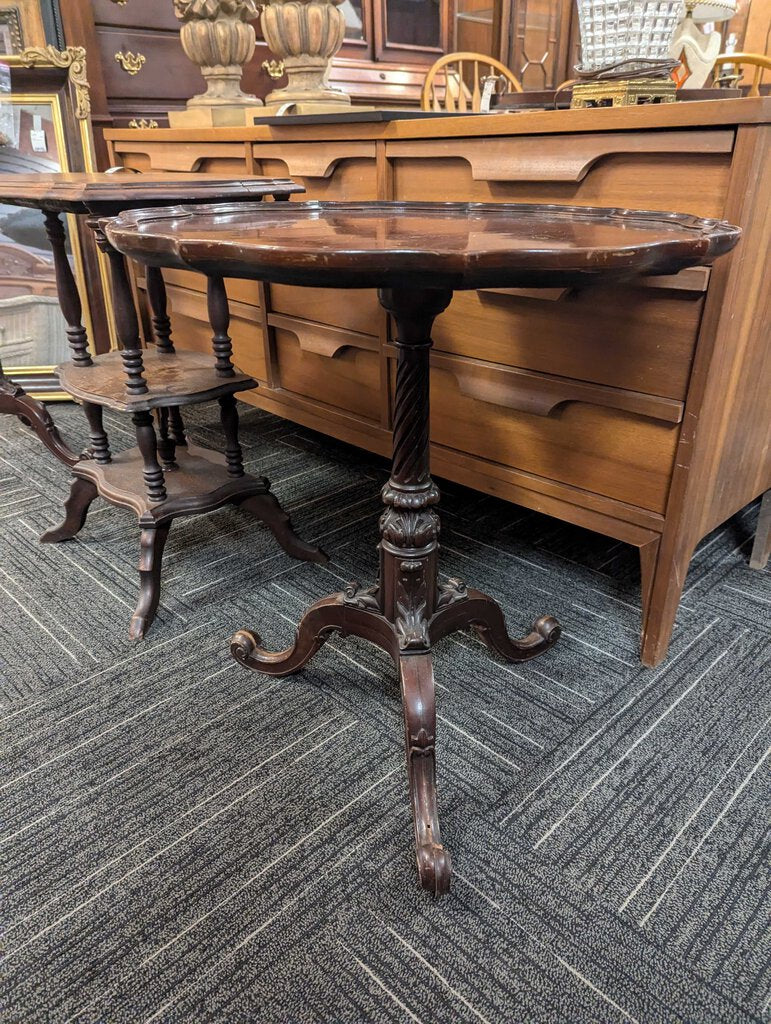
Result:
[
  {"x": 100, "y": 445},
  {"x": 229, "y": 418},
  {"x": 176, "y": 426},
  {"x": 67, "y": 291},
  {"x": 166, "y": 443},
  {"x": 156, "y": 293},
  {"x": 126, "y": 322},
  {"x": 151, "y": 472},
  {"x": 219, "y": 318}
]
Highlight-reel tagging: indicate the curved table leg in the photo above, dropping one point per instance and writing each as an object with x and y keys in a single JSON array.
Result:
[
  {"x": 82, "y": 493},
  {"x": 15, "y": 400},
  {"x": 329, "y": 615},
  {"x": 485, "y": 616},
  {"x": 419, "y": 705},
  {"x": 152, "y": 541},
  {"x": 267, "y": 508}
]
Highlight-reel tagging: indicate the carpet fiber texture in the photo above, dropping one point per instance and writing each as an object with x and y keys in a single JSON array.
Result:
[{"x": 184, "y": 841}]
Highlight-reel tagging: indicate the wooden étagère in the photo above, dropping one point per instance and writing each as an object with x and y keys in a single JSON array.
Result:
[{"x": 164, "y": 476}]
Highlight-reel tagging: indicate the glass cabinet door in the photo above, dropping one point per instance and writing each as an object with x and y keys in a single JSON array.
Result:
[{"x": 411, "y": 29}]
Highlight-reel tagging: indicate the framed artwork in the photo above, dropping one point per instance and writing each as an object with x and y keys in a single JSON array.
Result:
[
  {"x": 11, "y": 36},
  {"x": 44, "y": 127}
]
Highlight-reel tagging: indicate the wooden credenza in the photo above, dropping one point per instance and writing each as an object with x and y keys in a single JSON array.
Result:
[{"x": 639, "y": 411}]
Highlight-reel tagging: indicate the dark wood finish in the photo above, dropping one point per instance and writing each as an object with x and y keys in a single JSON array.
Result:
[
  {"x": 680, "y": 330},
  {"x": 104, "y": 195},
  {"x": 761, "y": 549},
  {"x": 416, "y": 254},
  {"x": 67, "y": 289},
  {"x": 383, "y": 244},
  {"x": 162, "y": 477},
  {"x": 183, "y": 378}
]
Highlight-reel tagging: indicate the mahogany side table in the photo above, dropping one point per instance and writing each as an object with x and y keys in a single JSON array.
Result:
[
  {"x": 416, "y": 254},
  {"x": 188, "y": 479}
]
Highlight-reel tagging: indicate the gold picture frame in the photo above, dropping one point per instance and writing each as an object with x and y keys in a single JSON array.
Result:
[{"x": 49, "y": 88}]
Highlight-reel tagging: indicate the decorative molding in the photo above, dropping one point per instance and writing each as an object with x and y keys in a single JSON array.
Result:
[
  {"x": 130, "y": 62},
  {"x": 73, "y": 58}
]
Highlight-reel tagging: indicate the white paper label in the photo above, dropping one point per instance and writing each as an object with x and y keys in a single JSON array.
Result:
[
  {"x": 487, "y": 94},
  {"x": 37, "y": 136}
]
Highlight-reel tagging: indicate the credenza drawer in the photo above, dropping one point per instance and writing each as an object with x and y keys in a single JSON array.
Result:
[
  {"x": 191, "y": 329},
  {"x": 638, "y": 337},
  {"x": 612, "y": 442},
  {"x": 334, "y": 171},
  {"x": 331, "y": 366},
  {"x": 354, "y": 309},
  {"x": 686, "y": 169}
]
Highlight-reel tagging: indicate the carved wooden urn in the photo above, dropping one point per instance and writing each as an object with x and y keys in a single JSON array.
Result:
[
  {"x": 216, "y": 35},
  {"x": 305, "y": 35}
]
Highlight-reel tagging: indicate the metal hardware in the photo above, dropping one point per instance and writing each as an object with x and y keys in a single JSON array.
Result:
[
  {"x": 275, "y": 68},
  {"x": 130, "y": 62},
  {"x": 142, "y": 122}
]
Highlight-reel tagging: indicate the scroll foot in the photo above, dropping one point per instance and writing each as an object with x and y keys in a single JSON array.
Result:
[
  {"x": 320, "y": 621},
  {"x": 151, "y": 544},
  {"x": 419, "y": 705},
  {"x": 491, "y": 629},
  {"x": 82, "y": 493},
  {"x": 267, "y": 508}
]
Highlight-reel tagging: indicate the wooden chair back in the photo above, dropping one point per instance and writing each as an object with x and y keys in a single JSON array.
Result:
[
  {"x": 759, "y": 61},
  {"x": 454, "y": 82}
]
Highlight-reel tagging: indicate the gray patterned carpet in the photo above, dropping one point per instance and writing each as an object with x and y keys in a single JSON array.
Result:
[{"x": 184, "y": 841}]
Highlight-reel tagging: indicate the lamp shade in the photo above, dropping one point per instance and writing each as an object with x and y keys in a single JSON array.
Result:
[{"x": 714, "y": 10}]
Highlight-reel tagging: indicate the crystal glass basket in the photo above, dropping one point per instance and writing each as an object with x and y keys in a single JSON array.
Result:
[{"x": 616, "y": 31}]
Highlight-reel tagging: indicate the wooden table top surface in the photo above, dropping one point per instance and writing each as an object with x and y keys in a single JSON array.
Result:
[
  {"x": 460, "y": 245},
  {"x": 102, "y": 192}
]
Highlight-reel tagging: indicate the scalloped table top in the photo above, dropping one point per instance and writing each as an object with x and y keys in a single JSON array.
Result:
[
  {"x": 105, "y": 194},
  {"x": 393, "y": 244}
]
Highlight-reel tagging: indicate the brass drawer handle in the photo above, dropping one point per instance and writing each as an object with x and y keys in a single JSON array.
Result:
[
  {"x": 142, "y": 122},
  {"x": 119, "y": 3},
  {"x": 130, "y": 62},
  {"x": 274, "y": 68}
]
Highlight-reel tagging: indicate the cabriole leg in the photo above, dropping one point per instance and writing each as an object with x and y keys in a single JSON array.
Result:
[
  {"x": 82, "y": 493},
  {"x": 152, "y": 541},
  {"x": 419, "y": 705}
]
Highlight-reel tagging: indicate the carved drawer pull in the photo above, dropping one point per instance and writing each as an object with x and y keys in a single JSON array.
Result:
[
  {"x": 554, "y": 158},
  {"x": 130, "y": 62},
  {"x": 540, "y": 394},
  {"x": 321, "y": 340},
  {"x": 142, "y": 122},
  {"x": 309, "y": 160}
]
